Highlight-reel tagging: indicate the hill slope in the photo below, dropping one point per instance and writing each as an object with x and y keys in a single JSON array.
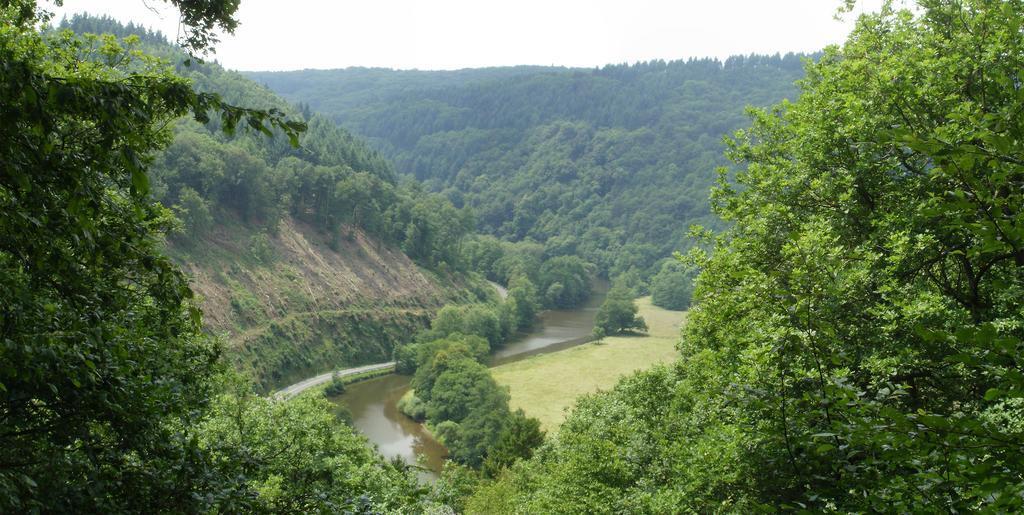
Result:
[
  {"x": 300, "y": 307},
  {"x": 304, "y": 259},
  {"x": 612, "y": 164}
]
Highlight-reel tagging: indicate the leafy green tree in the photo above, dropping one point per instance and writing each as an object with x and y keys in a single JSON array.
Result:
[
  {"x": 458, "y": 391},
  {"x": 479, "y": 431},
  {"x": 356, "y": 194},
  {"x": 336, "y": 387},
  {"x": 482, "y": 253},
  {"x": 565, "y": 281},
  {"x": 521, "y": 259},
  {"x": 672, "y": 286},
  {"x": 260, "y": 247},
  {"x": 893, "y": 302},
  {"x": 296, "y": 456},
  {"x": 244, "y": 187},
  {"x": 618, "y": 314},
  {"x": 435, "y": 231},
  {"x": 457, "y": 482},
  {"x": 434, "y": 358},
  {"x": 104, "y": 369},
  {"x": 192, "y": 161},
  {"x": 476, "y": 319},
  {"x": 455, "y": 393},
  {"x": 633, "y": 281},
  {"x": 855, "y": 345},
  {"x": 405, "y": 357},
  {"x": 194, "y": 212},
  {"x": 517, "y": 440},
  {"x": 527, "y": 303}
]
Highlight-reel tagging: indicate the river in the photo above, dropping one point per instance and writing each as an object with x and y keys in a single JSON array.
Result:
[{"x": 373, "y": 403}]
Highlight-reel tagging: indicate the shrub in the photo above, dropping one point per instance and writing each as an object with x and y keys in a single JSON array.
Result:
[{"x": 336, "y": 386}]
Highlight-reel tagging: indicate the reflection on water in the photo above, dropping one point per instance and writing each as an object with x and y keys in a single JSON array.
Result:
[
  {"x": 374, "y": 408},
  {"x": 374, "y": 403},
  {"x": 555, "y": 330}
]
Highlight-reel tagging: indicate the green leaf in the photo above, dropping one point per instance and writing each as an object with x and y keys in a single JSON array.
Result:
[{"x": 140, "y": 182}]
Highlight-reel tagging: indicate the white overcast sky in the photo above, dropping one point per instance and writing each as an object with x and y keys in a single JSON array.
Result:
[{"x": 452, "y": 34}]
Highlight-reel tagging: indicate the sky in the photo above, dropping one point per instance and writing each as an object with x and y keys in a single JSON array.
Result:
[{"x": 453, "y": 34}]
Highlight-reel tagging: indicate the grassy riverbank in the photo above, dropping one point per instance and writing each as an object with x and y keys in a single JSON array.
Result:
[{"x": 545, "y": 385}]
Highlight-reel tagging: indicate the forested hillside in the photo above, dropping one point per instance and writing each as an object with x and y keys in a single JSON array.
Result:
[
  {"x": 113, "y": 398},
  {"x": 304, "y": 258},
  {"x": 856, "y": 340},
  {"x": 610, "y": 164}
]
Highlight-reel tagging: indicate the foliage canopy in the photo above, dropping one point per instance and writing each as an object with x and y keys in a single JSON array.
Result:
[
  {"x": 855, "y": 344},
  {"x": 609, "y": 164},
  {"x": 111, "y": 397}
]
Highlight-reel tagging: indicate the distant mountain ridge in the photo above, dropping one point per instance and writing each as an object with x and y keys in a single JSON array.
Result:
[
  {"x": 356, "y": 86},
  {"x": 612, "y": 164}
]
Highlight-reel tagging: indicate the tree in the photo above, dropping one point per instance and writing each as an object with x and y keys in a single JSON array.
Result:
[
  {"x": 856, "y": 345},
  {"x": 477, "y": 319},
  {"x": 672, "y": 286},
  {"x": 435, "y": 357},
  {"x": 888, "y": 306},
  {"x": 564, "y": 281},
  {"x": 517, "y": 440},
  {"x": 296, "y": 456},
  {"x": 480, "y": 430},
  {"x": 194, "y": 213},
  {"x": 618, "y": 314},
  {"x": 405, "y": 357},
  {"x": 458, "y": 396},
  {"x": 355, "y": 195},
  {"x": 458, "y": 390},
  {"x": 336, "y": 387},
  {"x": 457, "y": 482},
  {"x": 260, "y": 248},
  {"x": 522, "y": 291},
  {"x": 104, "y": 368}
]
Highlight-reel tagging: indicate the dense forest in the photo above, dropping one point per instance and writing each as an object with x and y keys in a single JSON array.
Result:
[
  {"x": 271, "y": 232},
  {"x": 600, "y": 163},
  {"x": 113, "y": 398},
  {"x": 854, "y": 342},
  {"x": 249, "y": 178},
  {"x": 328, "y": 180}
]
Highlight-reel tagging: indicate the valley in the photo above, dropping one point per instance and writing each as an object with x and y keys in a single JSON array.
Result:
[
  {"x": 545, "y": 369},
  {"x": 612, "y": 164},
  {"x": 373, "y": 403},
  {"x": 784, "y": 278},
  {"x": 547, "y": 385}
]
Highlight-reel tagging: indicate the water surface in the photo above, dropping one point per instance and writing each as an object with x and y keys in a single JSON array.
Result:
[
  {"x": 374, "y": 408},
  {"x": 374, "y": 403}
]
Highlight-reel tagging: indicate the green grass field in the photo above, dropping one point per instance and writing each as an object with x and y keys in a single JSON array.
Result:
[{"x": 545, "y": 386}]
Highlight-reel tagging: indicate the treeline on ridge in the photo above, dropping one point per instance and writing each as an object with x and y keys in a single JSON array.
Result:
[
  {"x": 600, "y": 163},
  {"x": 856, "y": 340},
  {"x": 331, "y": 181},
  {"x": 114, "y": 400}
]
